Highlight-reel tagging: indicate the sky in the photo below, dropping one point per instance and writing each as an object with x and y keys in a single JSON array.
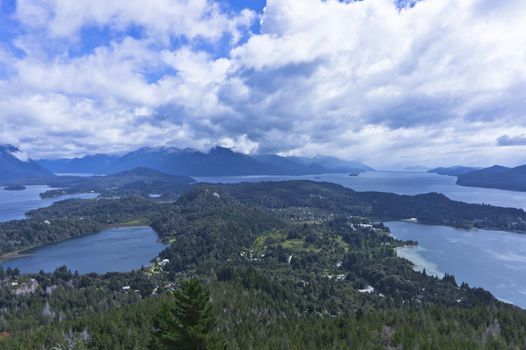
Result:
[{"x": 392, "y": 83}]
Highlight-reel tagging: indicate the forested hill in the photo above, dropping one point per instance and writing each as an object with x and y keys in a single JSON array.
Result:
[
  {"x": 513, "y": 179},
  {"x": 137, "y": 181},
  {"x": 297, "y": 265},
  {"x": 431, "y": 208},
  {"x": 78, "y": 217}
]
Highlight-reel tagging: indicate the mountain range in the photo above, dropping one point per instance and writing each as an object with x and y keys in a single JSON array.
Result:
[
  {"x": 219, "y": 161},
  {"x": 513, "y": 179},
  {"x": 15, "y": 164}
]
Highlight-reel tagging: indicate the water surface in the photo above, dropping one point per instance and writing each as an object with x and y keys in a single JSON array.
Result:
[
  {"x": 15, "y": 204},
  {"x": 493, "y": 260},
  {"x": 117, "y": 250}
]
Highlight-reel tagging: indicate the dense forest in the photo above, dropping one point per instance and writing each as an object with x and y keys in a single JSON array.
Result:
[
  {"x": 139, "y": 181},
  {"x": 511, "y": 179},
  {"x": 289, "y": 265}
]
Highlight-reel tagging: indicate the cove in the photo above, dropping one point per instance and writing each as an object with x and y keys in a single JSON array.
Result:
[
  {"x": 15, "y": 204},
  {"x": 493, "y": 260},
  {"x": 114, "y": 250}
]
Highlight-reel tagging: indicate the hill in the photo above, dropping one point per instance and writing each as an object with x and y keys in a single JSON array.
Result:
[
  {"x": 513, "y": 179},
  {"x": 453, "y": 170},
  {"x": 219, "y": 161},
  {"x": 139, "y": 181},
  {"x": 15, "y": 164},
  {"x": 289, "y": 265}
]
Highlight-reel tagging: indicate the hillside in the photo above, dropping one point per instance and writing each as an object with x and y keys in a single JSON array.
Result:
[
  {"x": 139, "y": 181},
  {"x": 296, "y": 264},
  {"x": 219, "y": 161},
  {"x": 15, "y": 164},
  {"x": 513, "y": 179}
]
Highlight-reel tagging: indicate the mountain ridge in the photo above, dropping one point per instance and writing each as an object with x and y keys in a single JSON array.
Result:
[
  {"x": 497, "y": 176},
  {"x": 218, "y": 161},
  {"x": 456, "y": 170},
  {"x": 15, "y": 164}
]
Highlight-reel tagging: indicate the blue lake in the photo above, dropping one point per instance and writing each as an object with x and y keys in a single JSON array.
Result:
[
  {"x": 117, "y": 250},
  {"x": 493, "y": 260},
  {"x": 14, "y": 204}
]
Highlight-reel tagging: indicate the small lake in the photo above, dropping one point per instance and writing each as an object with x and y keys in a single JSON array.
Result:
[
  {"x": 116, "y": 250},
  {"x": 400, "y": 182},
  {"x": 493, "y": 260},
  {"x": 15, "y": 204}
]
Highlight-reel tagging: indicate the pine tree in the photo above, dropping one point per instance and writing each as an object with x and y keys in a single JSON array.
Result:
[{"x": 188, "y": 324}]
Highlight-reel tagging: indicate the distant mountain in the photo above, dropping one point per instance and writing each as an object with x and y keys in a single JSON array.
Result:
[
  {"x": 315, "y": 165},
  {"x": 336, "y": 164},
  {"x": 91, "y": 164},
  {"x": 15, "y": 164},
  {"x": 219, "y": 161},
  {"x": 513, "y": 179},
  {"x": 415, "y": 168},
  {"x": 289, "y": 165},
  {"x": 149, "y": 175},
  {"x": 453, "y": 170}
]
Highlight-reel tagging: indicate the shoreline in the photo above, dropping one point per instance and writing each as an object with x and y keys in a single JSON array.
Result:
[
  {"x": 25, "y": 252},
  {"x": 17, "y": 254}
]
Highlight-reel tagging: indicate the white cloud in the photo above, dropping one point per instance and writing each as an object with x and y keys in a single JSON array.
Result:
[
  {"x": 436, "y": 83},
  {"x": 159, "y": 18},
  {"x": 346, "y": 67}
]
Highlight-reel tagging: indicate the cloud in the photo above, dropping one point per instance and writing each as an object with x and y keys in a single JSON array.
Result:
[
  {"x": 427, "y": 82},
  {"x": 506, "y": 140},
  {"x": 159, "y": 18}
]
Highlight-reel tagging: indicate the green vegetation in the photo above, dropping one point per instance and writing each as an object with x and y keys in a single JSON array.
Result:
[
  {"x": 72, "y": 218},
  {"x": 511, "y": 179},
  {"x": 189, "y": 323},
  {"x": 295, "y": 265},
  {"x": 431, "y": 208},
  {"x": 139, "y": 181}
]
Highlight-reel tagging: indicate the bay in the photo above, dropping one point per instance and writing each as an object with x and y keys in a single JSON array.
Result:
[
  {"x": 15, "y": 204},
  {"x": 117, "y": 250},
  {"x": 493, "y": 260}
]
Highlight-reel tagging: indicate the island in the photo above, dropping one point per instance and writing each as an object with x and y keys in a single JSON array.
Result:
[{"x": 14, "y": 188}]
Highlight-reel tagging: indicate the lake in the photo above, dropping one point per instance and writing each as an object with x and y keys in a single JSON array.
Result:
[
  {"x": 493, "y": 260},
  {"x": 15, "y": 204},
  {"x": 117, "y": 250},
  {"x": 400, "y": 182}
]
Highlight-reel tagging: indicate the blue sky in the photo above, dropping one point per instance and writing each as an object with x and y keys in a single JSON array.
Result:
[{"x": 392, "y": 83}]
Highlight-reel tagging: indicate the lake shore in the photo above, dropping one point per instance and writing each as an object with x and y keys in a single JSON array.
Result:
[
  {"x": 117, "y": 249},
  {"x": 15, "y": 255}
]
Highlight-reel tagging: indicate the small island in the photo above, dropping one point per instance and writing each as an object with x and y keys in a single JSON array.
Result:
[{"x": 14, "y": 188}]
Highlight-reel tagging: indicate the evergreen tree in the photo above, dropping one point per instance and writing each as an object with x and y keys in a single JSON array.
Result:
[{"x": 188, "y": 323}]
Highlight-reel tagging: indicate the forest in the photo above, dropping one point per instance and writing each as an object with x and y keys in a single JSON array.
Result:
[{"x": 288, "y": 265}]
